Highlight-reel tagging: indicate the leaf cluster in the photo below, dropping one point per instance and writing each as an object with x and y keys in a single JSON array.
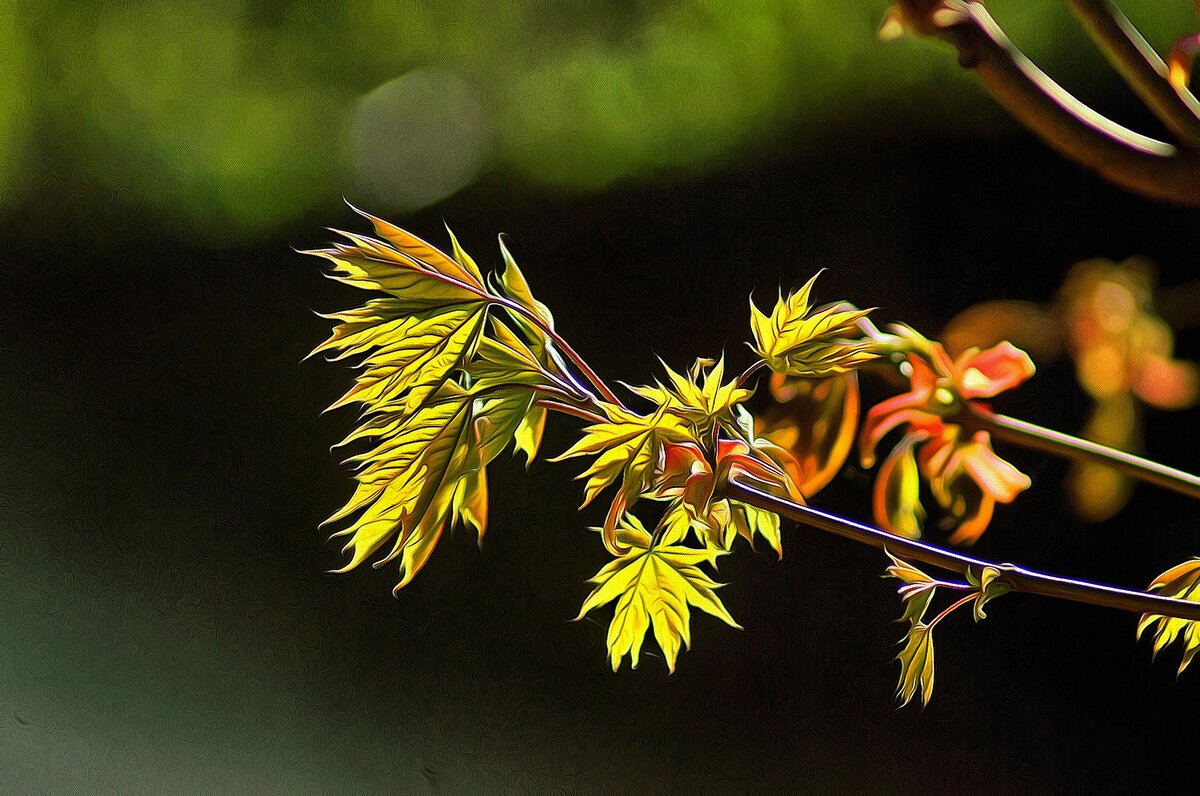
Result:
[{"x": 451, "y": 366}]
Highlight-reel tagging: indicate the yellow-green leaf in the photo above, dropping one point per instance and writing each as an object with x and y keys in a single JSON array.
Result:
[
  {"x": 418, "y": 275},
  {"x": 916, "y": 664},
  {"x": 1182, "y": 582},
  {"x": 750, "y": 521},
  {"x": 797, "y": 341},
  {"x": 702, "y": 399},
  {"x": 917, "y": 591},
  {"x": 990, "y": 586},
  {"x": 409, "y": 485},
  {"x": 413, "y": 358},
  {"x": 517, "y": 288},
  {"x": 655, "y": 586},
  {"x": 626, "y": 447}
]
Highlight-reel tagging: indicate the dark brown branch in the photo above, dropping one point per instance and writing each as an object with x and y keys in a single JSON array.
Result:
[
  {"x": 1128, "y": 159},
  {"x": 1015, "y": 577},
  {"x": 1029, "y": 435},
  {"x": 1141, "y": 67}
]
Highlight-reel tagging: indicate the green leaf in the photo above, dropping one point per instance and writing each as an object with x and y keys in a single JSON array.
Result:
[
  {"x": 654, "y": 586},
  {"x": 1182, "y": 582},
  {"x": 990, "y": 587},
  {"x": 916, "y": 664},
  {"x": 413, "y": 358},
  {"x": 750, "y": 521},
  {"x": 517, "y": 288}
]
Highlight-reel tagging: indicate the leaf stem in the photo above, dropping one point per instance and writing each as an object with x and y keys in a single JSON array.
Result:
[
  {"x": 749, "y": 372},
  {"x": 570, "y": 409},
  {"x": 1029, "y": 435},
  {"x": 1017, "y": 578},
  {"x": 566, "y": 348},
  {"x": 952, "y": 608}
]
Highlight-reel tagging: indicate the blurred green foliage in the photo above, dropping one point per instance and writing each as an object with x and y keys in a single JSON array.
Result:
[{"x": 234, "y": 117}]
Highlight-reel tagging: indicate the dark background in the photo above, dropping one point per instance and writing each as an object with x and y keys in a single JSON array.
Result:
[{"x": 167, "y": 621}]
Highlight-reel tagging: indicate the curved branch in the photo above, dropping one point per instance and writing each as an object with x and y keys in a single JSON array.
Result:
[
  {"x": 1152, "y": 168},
  {"x": 1141, "y": 67},
  {"x": 1015, "y": 577},
  {"x": 1047, "y": 440}
]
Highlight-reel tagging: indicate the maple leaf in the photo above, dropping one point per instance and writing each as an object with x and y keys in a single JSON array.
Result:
[
  {"x": 655, "y": 585},
  {"x": 797, "y": 341},
  {"x": 423, "y": 474},
  {"x": 917, "y": 590},
  {"x": 916, "y": 664},
  {"x": 443, "y": 391},
  {"x": 1183, "y": 582},
  {"x": 626, "y": 447},
  {"x": 700, "y": 398},
  {"x": 897, "y": 498}
]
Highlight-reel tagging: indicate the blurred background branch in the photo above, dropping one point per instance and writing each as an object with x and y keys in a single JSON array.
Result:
[{"x": 1144, "y": 165}]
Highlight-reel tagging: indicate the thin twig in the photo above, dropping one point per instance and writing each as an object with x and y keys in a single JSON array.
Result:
[
  {"x": 1015, "y": 577},
  {"x": 566, "y": 348},
  {"x": 1029, "y": 435}
]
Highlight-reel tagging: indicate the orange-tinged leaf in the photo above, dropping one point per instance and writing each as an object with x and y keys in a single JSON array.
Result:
[
  {"x": 815, "y": 421},
  {"x": 423, "y": 253},
  {"x": 897, "y": 501}
]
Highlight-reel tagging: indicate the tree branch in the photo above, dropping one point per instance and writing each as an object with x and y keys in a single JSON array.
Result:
[
  {"x": 1141, "y": 67},
  {"x": 1015, "y": 577},
  {"x": 1128, "y": 159},
  {"x": 1028, "y": 435}
]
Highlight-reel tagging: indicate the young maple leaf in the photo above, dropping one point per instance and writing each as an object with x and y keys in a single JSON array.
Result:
[
  {"x": 701, "y": 400},
  {"x": 797, "y": 341},
  {"x": 655, "y": 586},
  {"x": 1183, "y": 582},
  {"x": 442, "y": 390},
  {"x": 916, "y": 664},
  {"x": 626, "y": 447}
]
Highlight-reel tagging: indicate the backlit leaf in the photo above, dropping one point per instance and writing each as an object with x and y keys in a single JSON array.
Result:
[
  {"x": 897, "y": 501},
  {"x": 750, "y": 522},
  {"x": 917, "y": 590},
  {"x": 916, "y": 665},
  {"x": 1182, "y": 582},
  {"x": 409, "y": 486},
  {"x": 798, "y": 341},
  {"x": 701, "y": 399},
  {"x": 654, "y": 586},
  {"x": 626, "y": 448},
  {"x": 442, "y": 390}
]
